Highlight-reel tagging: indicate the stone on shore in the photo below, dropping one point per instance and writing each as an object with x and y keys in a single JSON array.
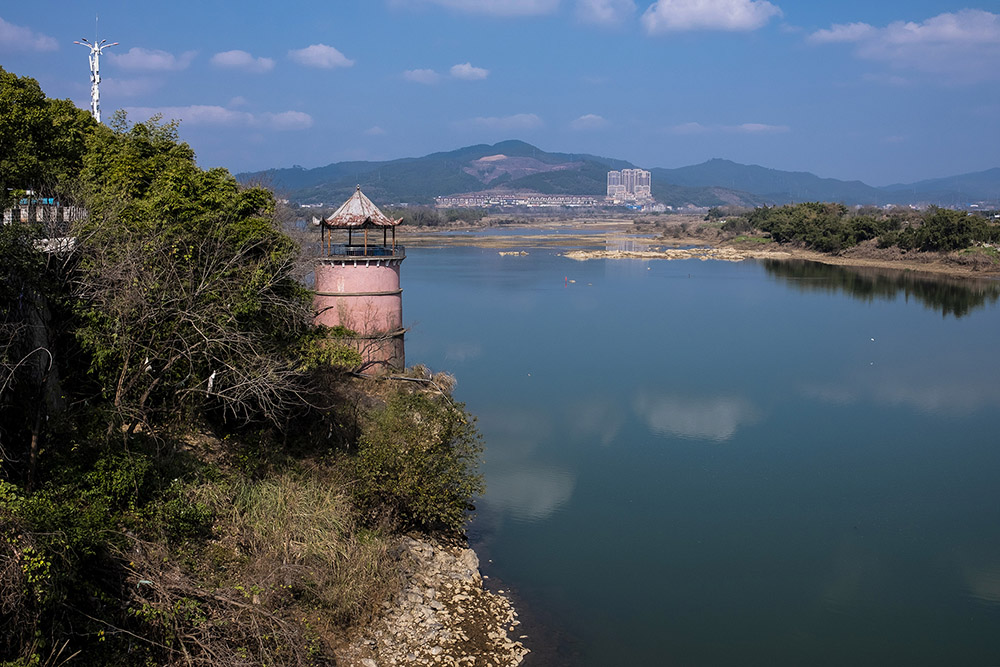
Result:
[{"x": 442, "y": 615}]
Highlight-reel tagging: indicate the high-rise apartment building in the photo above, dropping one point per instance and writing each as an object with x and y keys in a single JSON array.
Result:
[
  {"x": 616, "y": 189},
  {"x": 629, "y": 185}
]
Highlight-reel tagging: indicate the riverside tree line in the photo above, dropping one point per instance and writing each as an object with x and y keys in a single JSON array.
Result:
[
  {"x": 827, "y": 227},
  {"x": 189, "y": 474}
]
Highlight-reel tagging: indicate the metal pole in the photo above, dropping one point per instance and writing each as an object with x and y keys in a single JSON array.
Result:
[{"x": 95, "y": 73}]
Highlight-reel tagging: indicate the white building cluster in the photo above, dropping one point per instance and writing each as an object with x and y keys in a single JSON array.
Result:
[{"x": 629, "y": 186}]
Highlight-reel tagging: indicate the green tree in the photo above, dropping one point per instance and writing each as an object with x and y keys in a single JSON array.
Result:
[
  {"x": 947, "y": 230},
  {"x": 42, "y": 140},
  {"x": 184, "y": 289}
]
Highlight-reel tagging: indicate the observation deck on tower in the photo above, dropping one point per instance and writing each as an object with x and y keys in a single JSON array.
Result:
[
  {"x": 357, "y": 282},
  {"x": 359, "y": 214}
]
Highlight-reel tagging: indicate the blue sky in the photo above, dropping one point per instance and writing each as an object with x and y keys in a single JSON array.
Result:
[{"x": 883, "y": 92}]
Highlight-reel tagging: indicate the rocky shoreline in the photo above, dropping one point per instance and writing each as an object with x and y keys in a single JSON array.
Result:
[
  {"x": 932, "y": 263},
  {"x": 442, "y": 616},
  {"x": 724, "y": 254}
]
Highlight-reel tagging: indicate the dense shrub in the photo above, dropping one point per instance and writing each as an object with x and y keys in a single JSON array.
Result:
[
  {"x": 417, "y": 461},
  {"x": 832, "y": 227},
  {"x": 947, "y": 230}
]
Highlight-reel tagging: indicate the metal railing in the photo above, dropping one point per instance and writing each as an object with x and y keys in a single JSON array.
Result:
[{"x": 371, "y": 250}]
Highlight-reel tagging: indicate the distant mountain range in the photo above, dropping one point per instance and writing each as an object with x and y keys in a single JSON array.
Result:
[{"x": 519, "y": 166}]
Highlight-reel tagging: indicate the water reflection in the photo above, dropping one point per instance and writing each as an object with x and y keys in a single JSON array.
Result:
[
  {"x": 531, "y": 492},
  {"x": 926, "y": 390},
  {"x": 950, "y": 296},
  {"x": 595, "y": 418},
  {"x": 984, "y": 584},
  {"x": 856, "y": 568},
  {"x": 462, "y": 351},
  {"x": 714, "y": 418}
]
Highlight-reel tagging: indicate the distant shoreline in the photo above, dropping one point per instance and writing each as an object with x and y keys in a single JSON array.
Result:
[{"x": 590, "y": 239}]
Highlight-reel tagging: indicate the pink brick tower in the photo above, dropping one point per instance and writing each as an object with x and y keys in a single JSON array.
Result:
[{"x": 357, "y": 283}]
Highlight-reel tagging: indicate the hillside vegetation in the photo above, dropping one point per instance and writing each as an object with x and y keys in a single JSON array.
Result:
[
  {"x": 516, "y": 165},
  {"x": 473, "y": 169},
  {"x": 188, "y": 472}
]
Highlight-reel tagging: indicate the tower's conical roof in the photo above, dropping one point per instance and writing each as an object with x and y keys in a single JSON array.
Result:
[{"x": 358, "y": 212}]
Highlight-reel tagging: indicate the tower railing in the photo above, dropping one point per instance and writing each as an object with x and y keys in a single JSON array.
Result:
[{"x": 356, "y": 250}]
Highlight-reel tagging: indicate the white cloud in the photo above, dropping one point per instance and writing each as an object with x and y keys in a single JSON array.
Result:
[
  {"x": 320, "y": 55},
  {"x": 286, "y": 120},
  {"x": 238, "y": 101},
  {"x": 841, "y": 32},
  {"x": 375, "y": 131},
  {"x": 520, "y": 121},
  {"x": 468, "y": 72},
  {"x": 216, "y": 116},
  {"x": 588, "y": 122},
  {"x": 604, "y": 12},
  {"x": 757, "y": 128},
  {"x": 426, "y": 76},
  {"x": 675, "y": 15},
  {"x": 18, "y": 38},
  {"x": 742, "y": 128},
  {"x": 964, "y": 44},
  {"x": 689, "y": 128},
  {"x": 138, "y": 58},
  {"x": 492, "y": 7},
  {"x": 237, "y": 59}
]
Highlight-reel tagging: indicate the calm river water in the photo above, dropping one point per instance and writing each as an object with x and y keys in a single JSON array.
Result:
[{"x": 707, "y": 463}]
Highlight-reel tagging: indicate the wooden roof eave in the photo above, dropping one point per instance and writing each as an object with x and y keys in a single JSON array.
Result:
[{"x": 367, "y": 224}]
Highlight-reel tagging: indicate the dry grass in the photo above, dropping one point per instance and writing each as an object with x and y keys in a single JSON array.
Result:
[{"x": 288, "y": 577}]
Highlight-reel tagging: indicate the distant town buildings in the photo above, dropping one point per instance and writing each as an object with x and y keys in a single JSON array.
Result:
[
  {"x": 515, "y": 199},
  {"x": 629, "y": 186}
]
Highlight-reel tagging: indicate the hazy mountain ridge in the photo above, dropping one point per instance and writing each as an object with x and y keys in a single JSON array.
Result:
[{"x": 517, "y": 165}]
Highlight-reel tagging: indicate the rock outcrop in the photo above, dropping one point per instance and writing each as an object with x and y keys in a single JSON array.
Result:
[{"x": 442, "y": 616}]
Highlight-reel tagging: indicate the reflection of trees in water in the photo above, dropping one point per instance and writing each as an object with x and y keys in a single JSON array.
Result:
[{"x": 948, "y": 295}]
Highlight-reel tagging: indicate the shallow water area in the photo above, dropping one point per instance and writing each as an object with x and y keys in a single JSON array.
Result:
[{"x": 714, "y": 463}]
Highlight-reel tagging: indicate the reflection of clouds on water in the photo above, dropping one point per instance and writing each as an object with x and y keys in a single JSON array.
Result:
[
  {"x": 984, "y": 584},
  {"x": 463, "y": 351},
  {"x": 925, "y": 394},
  {"x": 595, "y": 418},
  {"x": 517, "y": 485},
  {"x": 514, "y": 432},
  {"x": 981, "y": 571},
  {"x": 715, "y": 418},
  {"x": 530, "y": 493},
  {"x": 855, "y": 570}
]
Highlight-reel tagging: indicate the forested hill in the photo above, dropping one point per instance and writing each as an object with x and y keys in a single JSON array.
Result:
[
  {"x": 953, "y": 190},
  {"x": 774, "y": 185},
  {"x": 516, "y": 165},
  {"x": 510, "y": 165}
]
